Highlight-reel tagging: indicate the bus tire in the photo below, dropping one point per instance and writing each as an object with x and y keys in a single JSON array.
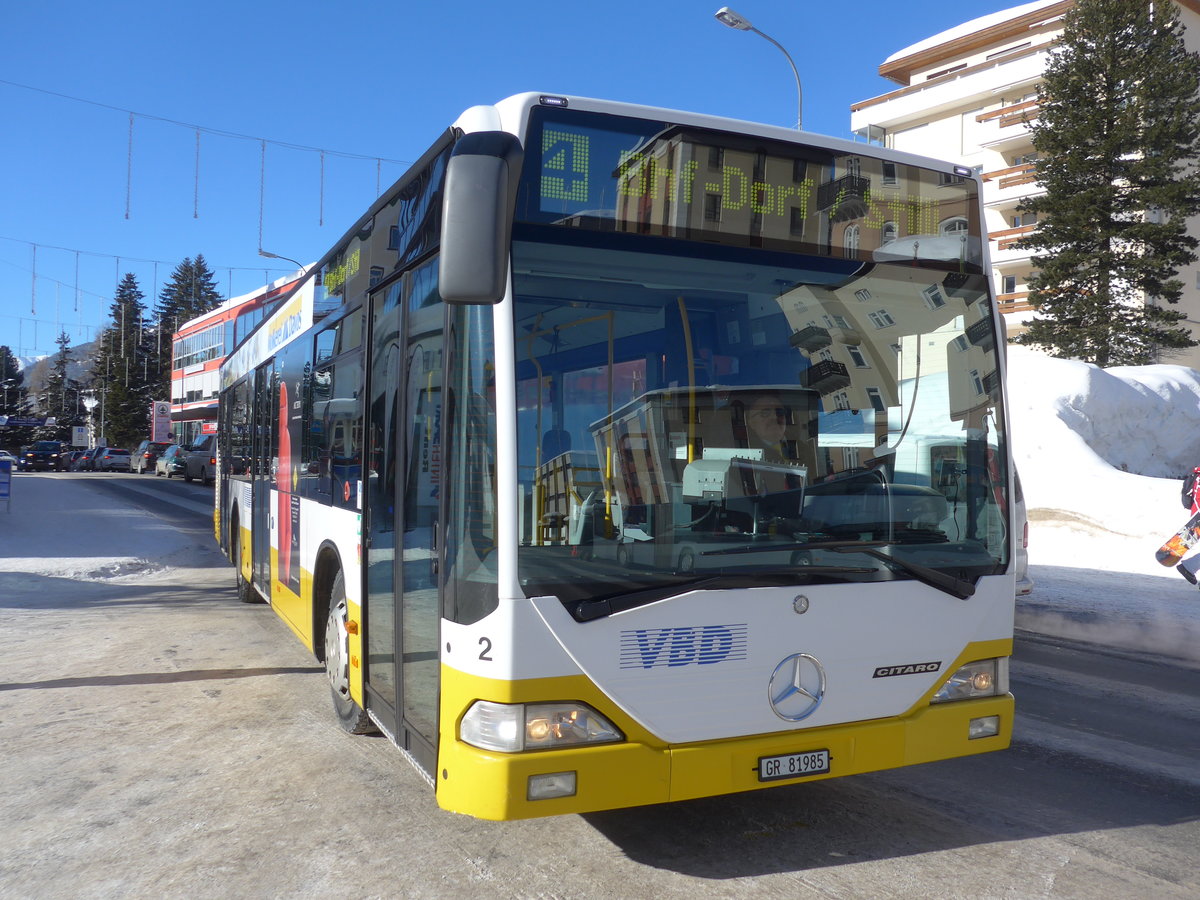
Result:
[
  {"x": 352, "y": 717},
  {"x": 245, "y": 591}
]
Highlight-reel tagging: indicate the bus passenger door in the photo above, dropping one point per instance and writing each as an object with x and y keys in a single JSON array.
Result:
[
  {"x": 401, "y": 515},
  {"x": 262, "y": 452}
]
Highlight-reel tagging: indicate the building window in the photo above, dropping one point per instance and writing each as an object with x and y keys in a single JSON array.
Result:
[
  {"x": 863, "y": 295},
  {"x": 957, "y": 225},
  {"x": 939, "y": 74},
  {"x": 856, "y": 356},
  {"x": 889, "y": 232},
  {"x": 716, "y": 157},
  {"x": 850, "y": 241},
  {"x": 889, "y": 173},
  {"x": 933, "y": 296},
  {"x": 1008, "y": 284},
  {"x": 881, "y": 319},
  {"x": 876, "y": 397},
  {"x": 712, "y": 207},
  {"x": 977, "y": 381},
  {"x": 1008, "y": 50},
  {"x": 796, "y": 225}
]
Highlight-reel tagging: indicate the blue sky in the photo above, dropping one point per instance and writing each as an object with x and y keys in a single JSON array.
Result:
[{"x": 81, "y": 203}]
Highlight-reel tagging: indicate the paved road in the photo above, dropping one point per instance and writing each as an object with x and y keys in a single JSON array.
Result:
[{"x": 163, "y": 740}]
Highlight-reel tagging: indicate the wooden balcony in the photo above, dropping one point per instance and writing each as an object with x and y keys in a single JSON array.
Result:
[
  {"x": 1015, "y": 302},
  {"x": 1016, "y": 114},
  {"x": 1007, "y": 239},
  {"x": 1026, "y": 173}
]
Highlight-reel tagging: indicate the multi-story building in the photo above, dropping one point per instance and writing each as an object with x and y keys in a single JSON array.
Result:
[
  {"x": 968, "y": 94},
  {"x": 201, "y": 345}
]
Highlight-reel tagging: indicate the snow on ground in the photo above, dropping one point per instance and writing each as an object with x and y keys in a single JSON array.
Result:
[
  {"x": 1101, "y": 453},
  {"x": 39, "y": 541}
]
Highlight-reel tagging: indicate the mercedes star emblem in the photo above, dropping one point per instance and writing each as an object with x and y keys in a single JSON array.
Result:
[{"x": 797, "y": 687}]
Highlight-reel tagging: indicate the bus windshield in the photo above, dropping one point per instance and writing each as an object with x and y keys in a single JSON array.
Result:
[
  {"x": 748, "y": 360},
  {"x": 766, "y": 418}
]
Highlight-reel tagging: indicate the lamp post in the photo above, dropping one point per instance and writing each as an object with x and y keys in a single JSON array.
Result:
[
  {"x": 727, "y": 16},
  {"x": 269, "y": 255},
  {"x": 90, "y": 402},
  {"x": 6, "y": 384}
]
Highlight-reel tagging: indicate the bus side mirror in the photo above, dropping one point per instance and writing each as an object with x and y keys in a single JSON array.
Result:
[{"x": 477, "y": 212}]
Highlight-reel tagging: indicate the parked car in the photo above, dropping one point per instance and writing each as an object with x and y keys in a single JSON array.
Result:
[
  {"x": 112, "y": 459},
  {"x": 86, "y": 462},
  {"x": 145, "y": 456},
  {"x": 5, "y": 456},
  {"x": 171, "y": 462},
  {"x": 73, "y": 460},
  {"x": 200, "y": 459},
  {"x": 45, "y": 456}
]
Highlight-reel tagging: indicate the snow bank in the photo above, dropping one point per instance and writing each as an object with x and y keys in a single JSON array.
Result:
[{"x": 1104, "y": 445}]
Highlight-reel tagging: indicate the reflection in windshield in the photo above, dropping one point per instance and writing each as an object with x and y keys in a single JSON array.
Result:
[{"x": 721, "y": 416}]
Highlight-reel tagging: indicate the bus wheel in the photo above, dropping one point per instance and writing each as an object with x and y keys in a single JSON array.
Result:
[
  {"x": 353, "y": 718},
  {"x": 245, "y": 593},
  {"x": 687, "y": 560}
]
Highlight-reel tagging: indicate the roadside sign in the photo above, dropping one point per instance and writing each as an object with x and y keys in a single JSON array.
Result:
[
  {"x": 6, "y": 482},
  {"x": 160, "y": 421},
  {"x": 79, "y": 436}
]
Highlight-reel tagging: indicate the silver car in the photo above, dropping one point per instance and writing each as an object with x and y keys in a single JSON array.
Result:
[
  {"x": 200, "y": 460},
  {"x": 111, "y": 459}
]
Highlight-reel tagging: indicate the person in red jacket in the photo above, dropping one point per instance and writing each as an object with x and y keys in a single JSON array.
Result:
[{"x": 1190, "y": 495}]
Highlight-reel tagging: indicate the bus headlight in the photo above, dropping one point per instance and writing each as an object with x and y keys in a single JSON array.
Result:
[
  {"x": 513, "y": 727},
  {"x": 984, "y": 678}
]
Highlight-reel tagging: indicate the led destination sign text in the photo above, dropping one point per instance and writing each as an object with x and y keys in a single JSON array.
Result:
[{"x": 670, "y": 181}]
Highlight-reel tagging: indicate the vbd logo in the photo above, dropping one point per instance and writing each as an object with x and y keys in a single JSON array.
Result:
[{"x": 702, "y": 645}]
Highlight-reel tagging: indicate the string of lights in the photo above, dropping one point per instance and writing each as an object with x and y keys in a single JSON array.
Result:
[{"x": 35, "y": 264}]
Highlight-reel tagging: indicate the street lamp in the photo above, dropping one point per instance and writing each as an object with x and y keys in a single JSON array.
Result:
[
  {"x": 269, "y": 255},
  {"x": 6, "y": 384},
  {"x": 727, "y": 16},
  {"x": 91, "y": 402}
]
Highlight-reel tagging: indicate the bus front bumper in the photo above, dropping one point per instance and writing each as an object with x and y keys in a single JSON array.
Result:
[{"x": 639, "y": 771}]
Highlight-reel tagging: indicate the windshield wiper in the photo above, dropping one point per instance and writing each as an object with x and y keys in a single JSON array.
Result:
[
  {"x": 586, "y": 610},
  {"x": 955, "y": 587}
]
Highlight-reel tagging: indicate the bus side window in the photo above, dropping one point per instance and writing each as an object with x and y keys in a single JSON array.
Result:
[{"x": 340, "y": 454}]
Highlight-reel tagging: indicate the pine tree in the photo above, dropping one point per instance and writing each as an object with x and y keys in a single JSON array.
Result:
[
  {"x": 1118, "y": 139},
  {"x": 11, "y": 381},
  {"x": 122, "y": 371},
  {"x": 61, "y": 398},
  {"x": 192, "y": 291}
]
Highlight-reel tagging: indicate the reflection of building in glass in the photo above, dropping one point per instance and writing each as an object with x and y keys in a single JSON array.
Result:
[{"x": 843, "y": 204}]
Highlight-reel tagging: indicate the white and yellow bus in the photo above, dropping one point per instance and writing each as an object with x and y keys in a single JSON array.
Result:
[{"x": 594, "y": 461}]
